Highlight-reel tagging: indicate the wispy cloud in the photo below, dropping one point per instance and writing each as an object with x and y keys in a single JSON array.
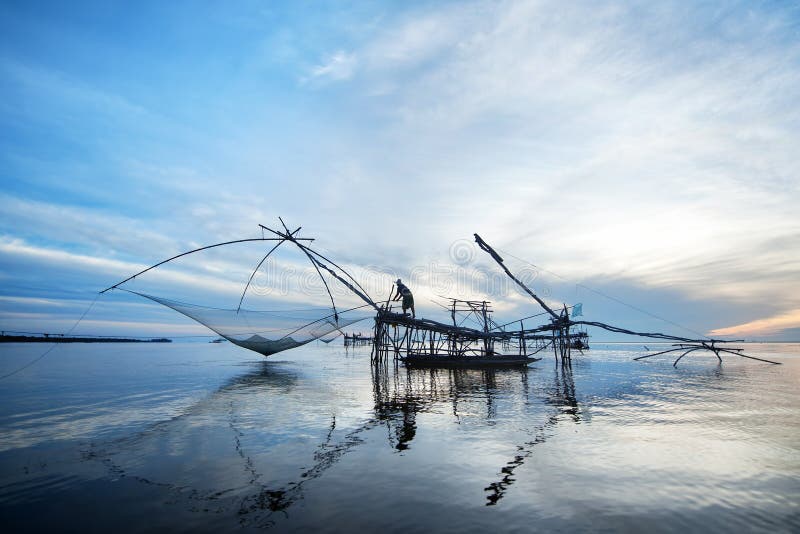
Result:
[
  {"x": 647, "y": 145},
  {"x": 337, "y": 67},
  {"x": 109, "y": 269},
  {"x": 90, "y": 227},
  {"x": 58, "y": 324},
  {"x": 32, "y": 301}
]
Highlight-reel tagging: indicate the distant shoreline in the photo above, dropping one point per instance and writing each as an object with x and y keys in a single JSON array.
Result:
[
  {"x": 66, "y": 339},
  {"x": 651, "y": 342}
]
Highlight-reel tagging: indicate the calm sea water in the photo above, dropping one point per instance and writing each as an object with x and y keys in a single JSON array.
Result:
[{"x": 205, "y": 437}]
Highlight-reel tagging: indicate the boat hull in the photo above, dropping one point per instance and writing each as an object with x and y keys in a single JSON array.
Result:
[{"x": 427, "y": 360}]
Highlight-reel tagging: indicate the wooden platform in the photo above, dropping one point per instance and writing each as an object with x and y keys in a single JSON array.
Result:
[{"x": 419, "y": 342}]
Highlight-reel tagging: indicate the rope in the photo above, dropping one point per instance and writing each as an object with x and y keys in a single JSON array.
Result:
[{"x": 49, "y": 350}]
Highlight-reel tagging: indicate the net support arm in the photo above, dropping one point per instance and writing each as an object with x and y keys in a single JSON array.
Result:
[
  {"x": 267, "y": 255},
  {"x": 347, "y": 284},
  {"x": 289, "y": 236},
  {"x": 192, "y": 252},
  {"x": 317, "y": 259},
  {"x": 496, "y": 257}
]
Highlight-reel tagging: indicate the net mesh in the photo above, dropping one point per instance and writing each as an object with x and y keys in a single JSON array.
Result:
[
  {"x": 281, "y": 279},
  {"x": 269, "y": 332}
]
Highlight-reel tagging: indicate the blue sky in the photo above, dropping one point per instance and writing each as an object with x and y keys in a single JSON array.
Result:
[{"x": 647, "y": 151}]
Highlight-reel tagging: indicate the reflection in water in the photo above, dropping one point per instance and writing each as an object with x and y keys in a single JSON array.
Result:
[
  {"x": 562, "y": 398},
  {"x": 482, "y": 396},
  {"x": 257, "y": 501},
  {"x": 117, "y": 454},
  {"x": 278, "y": 499},
  {"x": 400, "y": 394}
]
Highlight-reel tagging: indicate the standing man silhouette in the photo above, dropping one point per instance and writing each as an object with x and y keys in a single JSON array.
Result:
[{"x": 408, "y": 298}]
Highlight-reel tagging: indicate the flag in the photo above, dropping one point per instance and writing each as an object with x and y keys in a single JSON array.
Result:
[{"x": 577, "y": 310}]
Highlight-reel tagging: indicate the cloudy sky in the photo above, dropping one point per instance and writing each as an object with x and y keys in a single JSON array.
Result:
[{"x": 635, "y": 150}]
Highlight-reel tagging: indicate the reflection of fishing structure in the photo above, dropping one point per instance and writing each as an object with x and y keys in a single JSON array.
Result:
[
  {"x": 415, "y": 341},
  {"x": 562, "y": 398},
  {"x": 268, "y": 499},
  {"x": 258, "y": 499},
  {"x": 402, "y": 394}
]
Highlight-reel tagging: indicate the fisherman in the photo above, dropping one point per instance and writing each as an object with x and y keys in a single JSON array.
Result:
[{"x": 408, "y": 298}]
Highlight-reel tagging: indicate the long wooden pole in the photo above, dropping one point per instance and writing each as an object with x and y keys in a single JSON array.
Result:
[
  {"x": 486, "y": 248},
  {"x": 192, "y": 252},
  {"x": 267, "y": 255}
]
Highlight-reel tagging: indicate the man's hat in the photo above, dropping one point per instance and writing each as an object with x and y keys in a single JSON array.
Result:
[{"x": 399, "y": 281}]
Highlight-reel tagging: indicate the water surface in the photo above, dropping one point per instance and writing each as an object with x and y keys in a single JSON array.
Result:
[{"x": 210, "y": 437}]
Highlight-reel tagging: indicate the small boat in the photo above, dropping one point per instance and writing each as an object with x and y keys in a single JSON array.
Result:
[
  {"x": 445, "y": 360},
  {"x": 218, "y": 340}
]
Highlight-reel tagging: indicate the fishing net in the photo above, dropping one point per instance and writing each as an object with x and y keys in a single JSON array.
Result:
[
  {"x": 268, "y": 332},
  {"x": 290, "y": 298},
  {"x": 327, "y": 338}
]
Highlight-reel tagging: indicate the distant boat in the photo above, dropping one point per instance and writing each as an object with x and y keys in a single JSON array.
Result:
[{"x": 218, "y": 340}]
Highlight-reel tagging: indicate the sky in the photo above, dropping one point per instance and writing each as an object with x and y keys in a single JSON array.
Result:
[{"x": 638, "y": 157}]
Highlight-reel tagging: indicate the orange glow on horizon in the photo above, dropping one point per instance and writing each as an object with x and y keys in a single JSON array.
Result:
[{"x": 762, "y": 327}]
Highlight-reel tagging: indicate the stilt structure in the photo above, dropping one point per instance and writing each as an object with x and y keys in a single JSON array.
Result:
[
  {"x": 355, "y": 340},
  {"x": 424, "y": 342}
]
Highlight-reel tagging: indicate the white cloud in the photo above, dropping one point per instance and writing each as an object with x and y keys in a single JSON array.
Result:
[
  {"x": 32, "y": 301},
  {"x": 92, "y": 228},
  {"x": 337, "y": 67},
  {"x": 653, "y": 146},
  {"x": 109, "y": 269}
]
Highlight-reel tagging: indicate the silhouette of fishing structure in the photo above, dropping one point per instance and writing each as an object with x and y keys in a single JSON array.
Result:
[
  {"x": 561, "y": 324},
  {"x": 562, "y": 397},
  {"x": 414, "y": 341},
  {"x": 355, "y": 340}
]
